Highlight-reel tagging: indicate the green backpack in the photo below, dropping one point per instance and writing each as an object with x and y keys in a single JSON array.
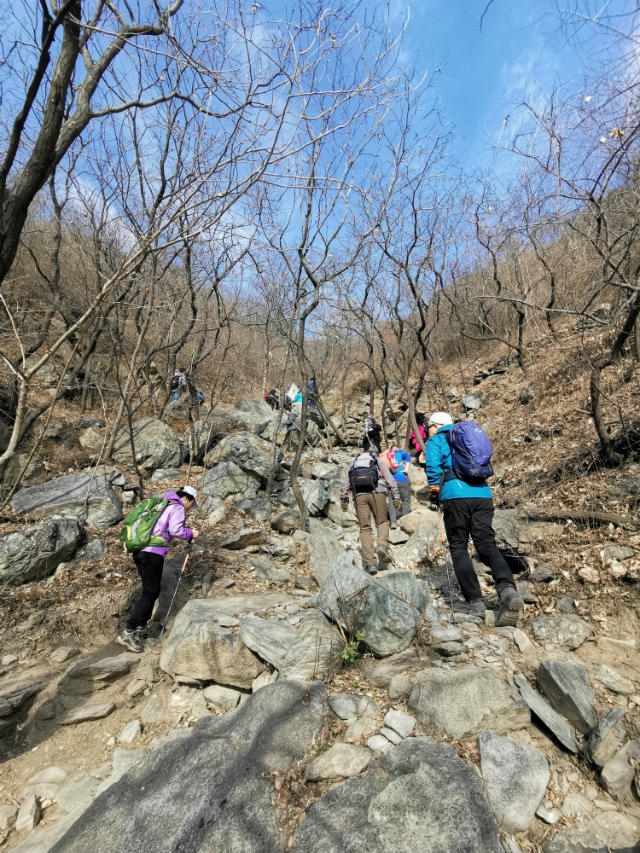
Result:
[{"x": 138, "y": 524}]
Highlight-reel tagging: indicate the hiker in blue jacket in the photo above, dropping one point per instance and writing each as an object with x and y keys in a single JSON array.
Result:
[{"x": 468, "y": 511}]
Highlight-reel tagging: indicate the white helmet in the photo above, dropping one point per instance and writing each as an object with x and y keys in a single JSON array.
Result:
[{"x": 439, "y": 419}]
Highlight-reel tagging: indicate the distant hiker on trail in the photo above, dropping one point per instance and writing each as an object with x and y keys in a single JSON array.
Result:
[
  {"x": 467, "y": 508},
  {"x": 149, "y": 562},
  {"x": 372, "y": 434},
  {"x": 311, "y": 394},
  {"x": 397, "y": 461},
  {"x": 178, "y": 383},
  {"x": 368, "y": 480},
  {"x": 271, "y": 397},
  {"x": 423, "y": 435}
]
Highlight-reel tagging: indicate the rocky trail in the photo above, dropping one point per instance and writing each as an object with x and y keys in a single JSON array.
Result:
[{"x": 294, "y": 701}]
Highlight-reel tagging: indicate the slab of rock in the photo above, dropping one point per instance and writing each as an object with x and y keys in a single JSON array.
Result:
[
  {"x": 18, "y": 688},
  {"x": 617, "y": 774},
  {"x": 243, "y": 539},
  {"x": 264, "y": 568},
  {"x": 379, "y": 743},
  {"x": 515, "y": 778},
  {"x": 522, "y": 641},
  {"x": 364, "y": 726},
  {"x": 408, "y": 587},
  {"x": 67, "y": 496},
  {"x": 199, "y": 648},
  {"x": 324, "y": 549},
  {"x": 207, "y": 791},
  {"x": 606, "y": 738},
  {"x": 285, "y": 522},
  {"x": 609, "y": 678},
  {"x": 303, "y": 652},
  {"x": 466, "y": 701},
  {"x": 354, "y": 599},
  {"x": 314, "y": 495},
  {"x": 8, "y": 814},
  {"x": 85, "y": 676},
  {"x": 539, "y": 706},
  {"x": 91, "y": 711},
  {"x": 228, "y": 481},
  {"x": 350, "y": 706},
  {"x": 423, "y": 546},
  {"x": 46, "y": 783},
  {"x": 597, "y": 833},
  {"x": 420, "y": 796},
  {"x": 445, "y": 634},
  {"x": 380, "y": 672},
  {"x": 29, "y": 814},
  {"x": 35, "y": 552},
  {"x": 564, "y": 632},
  {"x": 566, "y": 686},
  {"x": 342, "y": 760},
  {"x": 400, "y": 722},
  {"x": 221, "y": 699},
  {"x": 412, "y": 520}
]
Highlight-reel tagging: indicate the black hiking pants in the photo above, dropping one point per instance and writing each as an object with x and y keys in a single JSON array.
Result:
[
  {"x": 464, "y": 517},
  {"x": 149, "y": 568}
]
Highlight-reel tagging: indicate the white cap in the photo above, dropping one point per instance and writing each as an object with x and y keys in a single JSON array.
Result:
[
  {"x": 193, "y": 492},
  {"x": 439, "y": 419}
]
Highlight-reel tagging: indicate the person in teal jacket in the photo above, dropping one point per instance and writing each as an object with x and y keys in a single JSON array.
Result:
[{"x": 467, "y": 510}]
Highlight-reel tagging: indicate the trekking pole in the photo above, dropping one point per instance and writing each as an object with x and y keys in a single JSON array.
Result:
[
  {"x": 184, "y": 566},
  {"x": 447, "y": 558}
]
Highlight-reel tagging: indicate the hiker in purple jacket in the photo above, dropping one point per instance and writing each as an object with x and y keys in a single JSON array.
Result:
[{"x": 150, "y": 562}]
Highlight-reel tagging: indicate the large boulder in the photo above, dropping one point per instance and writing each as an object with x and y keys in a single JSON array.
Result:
[
  {"x": 515, "y": 779},
  {"x": 423, "y": 547},
  {"x": 253, "y": 415},
  {"x": 466, "y": 701},
  {"x": 208, "y": 791},
  {"x": 420, "y": 796},
  {"x": 36, "y": 552},
  {"x": 564, "y": 631},
  {"x": 353, "y": 598},
  {"x": 566, "y": 686},
  {"x": 227, "y": 481},
  {"x": 156, "y": 445},
  {"x": 254, "y": 455},
  {"x": 200, "y": 649},
  {"x": 314, "y": 495},
  {"x": 83, "y": 495}
]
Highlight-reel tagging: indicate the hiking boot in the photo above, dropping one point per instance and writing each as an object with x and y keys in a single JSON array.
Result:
[
  {"x": 131, "y": 641},
  {"x": 150, "y": 631},
  {"x": 371, "y": 570},
  {"x": 511, "y": 607},
  {"x": 383, "y": 554},
  {"x": 475, "y": 609}
]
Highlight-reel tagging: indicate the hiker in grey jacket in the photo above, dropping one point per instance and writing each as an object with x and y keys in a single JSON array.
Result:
[{"x": 371, "y": 486}]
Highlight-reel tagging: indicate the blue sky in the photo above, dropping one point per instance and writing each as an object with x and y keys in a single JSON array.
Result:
[{"x": 519, "y": 52}]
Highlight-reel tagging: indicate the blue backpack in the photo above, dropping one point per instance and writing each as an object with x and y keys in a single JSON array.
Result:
[{"x": 471, "y": 452}]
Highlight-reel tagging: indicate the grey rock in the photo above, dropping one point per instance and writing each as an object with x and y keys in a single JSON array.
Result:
[
  {"x": 244, "y": 539},
  {"x": 407, "y": 586},
  {"x": 617, "y": 774},
  {"x": 379, "y": 743},
  {"x": 598, "y": 833},
  {"x": 251, "y": 454},
  {"x": 354, "y": 599},
  {"x": 342, "y": 760},
  {"x": 314, "y": 495},
  {"x": 380, "y": 672},
  {"x": 351, "y": 706},
  {"x": 324, "y": 550},
  {"x": 606, "y": 738},
  {"x": 8, "y": 814},
  {"x": 423, "y": 546},
  {"x": 565, "y": 632},
  {"x": 87, "y": 675},
  {"x": 416, "y": 518},
  {"x": 90, "y": 711},
  {"x": 543, "y": 573},
  {"x": 445, "y": 634},
  {"x": 17, "y": 689},
  {"x": 66, "y": 496},
  {"x": 228, "y": 481},
  {"x": 391, "y": 735},
  {"x": 471, "y": 402},
  {"x": 155, "y": 445},
  {"x": 400, "y": 722},
  {"x": 466, "y": 701},
  {"x": 515, "y": 777},
  {"x": 29, "y": 814},
  {"x": 264, "y": 568},
  {"x": 610, "y": 679},
  {"x": 165, "y": 475},
  {"x": 199, "y": 648},
  {"x": 303, "y": 653},
  {"x": 93, "y": 550},
  {"x": 252, "y": 415},
  {"x": 559, "y": 727},
  {"x": 550, "y": 816},
  {"x": 420, "y": 796},
  {"x": 400, "y": 686},
  {"x": 286, "y": 522},
  {"x": 46, "y": 782},
  {"x": 566, "y": 686},
  {"x": 222, "y": 699},
  {"x": 35, "y": 552},
  {"x": 449, "y": 650},
  {"x": 258, "y": 508},
  {"x": 207, "y": 791},
  {"x": 130, "y": 732}
]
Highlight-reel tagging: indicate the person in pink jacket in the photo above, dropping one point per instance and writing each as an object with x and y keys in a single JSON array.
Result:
[{"x": 150, "y": 562}]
